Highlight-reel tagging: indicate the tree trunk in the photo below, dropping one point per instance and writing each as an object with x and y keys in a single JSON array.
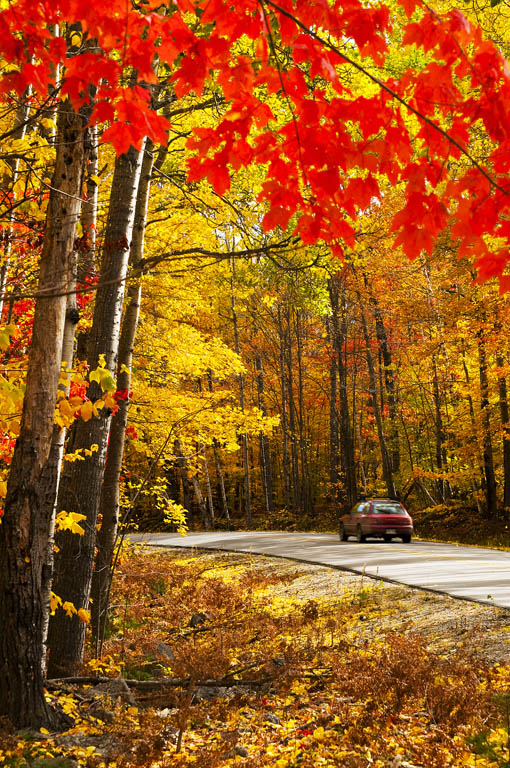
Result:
[
  {"x": 53, "y": 466},
  {"x": 389, "y": 383},
  {"x": 244, "y": 437},
  {"x": 292, "y": 415},
  {"x": 86, "y": 267},
  {"x": 186, "y": 483},
  {"x": 505, "y": 424},
  {"x": 265, "y": 453},
  {"x": 385, "y": 458},
  {"x": 339, "y": 334},
  {"x": 219, "y": 471},
  {"x": 285, "y": 426},
  {"x": 305, "y": 471},
  {"x": 200, "y": 500},
  {"x": 25, "y": 532},
  {"x": 110, "y": 496},
  {"x": 488, "y": 455},
  {"x": 481, "y": 472},
  {"x": 81, "y": 482},
  {"x": 208, "y": 489},
  {"x": 438, "y": 431},
  {"x": 334, "y": 475}
]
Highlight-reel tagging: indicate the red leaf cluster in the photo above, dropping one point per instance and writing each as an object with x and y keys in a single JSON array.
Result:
[{"x": 321, "y": 162}]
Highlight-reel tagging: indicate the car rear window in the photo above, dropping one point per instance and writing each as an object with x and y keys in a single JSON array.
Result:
[{"x": 387, "y": 508}]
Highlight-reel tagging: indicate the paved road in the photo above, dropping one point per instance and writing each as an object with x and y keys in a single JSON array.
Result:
[{"x": 471, "y": 573}]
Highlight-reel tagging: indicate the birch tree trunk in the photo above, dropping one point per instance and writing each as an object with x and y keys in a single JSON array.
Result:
[{"x": 25, "y": 533}]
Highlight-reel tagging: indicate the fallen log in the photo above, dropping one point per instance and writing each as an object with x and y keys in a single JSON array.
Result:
[{"x": 154, "y": 685}]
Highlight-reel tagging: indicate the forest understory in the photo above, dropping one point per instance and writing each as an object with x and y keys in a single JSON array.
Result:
[{"x": 234, "y": 660}]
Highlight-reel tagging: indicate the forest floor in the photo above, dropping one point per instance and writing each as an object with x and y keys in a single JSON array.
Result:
[
  {"x": 240, "y": 660},
  {"x": 462, "y": 525}
]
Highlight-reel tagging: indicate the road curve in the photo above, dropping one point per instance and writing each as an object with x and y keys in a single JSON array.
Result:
[{"x": 470, "y": 573}]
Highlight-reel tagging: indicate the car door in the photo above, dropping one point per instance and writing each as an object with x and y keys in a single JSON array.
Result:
[{"x": 354, "y": 517}]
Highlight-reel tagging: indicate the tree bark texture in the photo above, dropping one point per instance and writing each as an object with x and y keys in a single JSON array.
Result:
[
  {"x": 110, "y": 496},
  {"x": 25, "y": 533},
  {"x": 81, "y": 482}
]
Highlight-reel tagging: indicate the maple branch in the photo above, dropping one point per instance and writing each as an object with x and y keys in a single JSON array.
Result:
[
  {"x": 246, "y": 253},
  {"x": 145, "y": 264},
  {"x": 333, "y": 48},
  {"x": 287, "y": 99},
  {"x": 50, "y": 186},
  {"x": 32, "y": 117},
  {"x": 214, "y": 101}
]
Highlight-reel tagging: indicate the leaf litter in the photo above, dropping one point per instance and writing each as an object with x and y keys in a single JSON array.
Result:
[{"x": 240, "y": 660}]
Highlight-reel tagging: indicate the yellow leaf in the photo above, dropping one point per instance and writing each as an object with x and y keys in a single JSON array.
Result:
[
  {"x": 69, "y": 608},
  {"x": 70, "y": 522},
  {"x": 109, "y": 401},
  {"x": 87, "y": 410},
  {"x": 55, "y": 601},
  {"x": 84, "y": 615},
  {"x": 65, "y": 408}
]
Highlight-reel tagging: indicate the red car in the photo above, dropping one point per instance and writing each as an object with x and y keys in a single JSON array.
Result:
[{"x": 381, "y": 518}]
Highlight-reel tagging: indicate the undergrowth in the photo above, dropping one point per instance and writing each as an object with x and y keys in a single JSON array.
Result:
[{"x": 265, "y": 676}]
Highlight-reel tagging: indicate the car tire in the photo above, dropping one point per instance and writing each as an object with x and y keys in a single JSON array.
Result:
[
  {"x": 406, "y": 538},
  {"x": 360, "y": 536},
  {"x": 343, "y": 535},
  {"x": 387, "y": 538}
]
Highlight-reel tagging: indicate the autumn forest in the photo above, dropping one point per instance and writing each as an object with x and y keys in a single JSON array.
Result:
[{"x": 253, "y": 267}]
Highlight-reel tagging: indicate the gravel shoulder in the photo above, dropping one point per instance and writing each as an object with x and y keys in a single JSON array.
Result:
[{"x": 445, "y": 622}]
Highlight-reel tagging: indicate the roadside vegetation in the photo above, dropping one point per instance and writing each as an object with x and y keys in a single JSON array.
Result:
[{"x": 231, "y": 660}]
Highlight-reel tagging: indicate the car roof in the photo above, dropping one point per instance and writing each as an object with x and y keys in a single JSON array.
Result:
[{"x": 393, "y": 501}]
